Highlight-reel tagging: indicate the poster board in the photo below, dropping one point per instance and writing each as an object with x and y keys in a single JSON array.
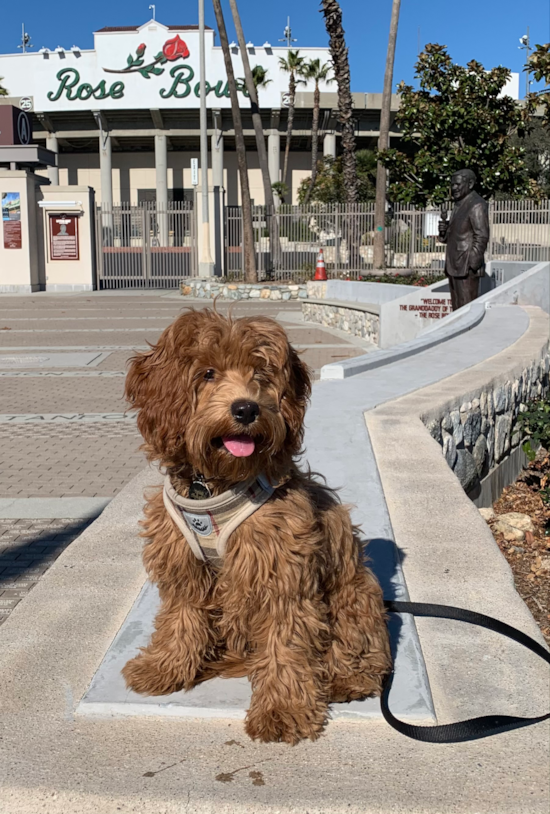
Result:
[
  {"x": 11, "y": 220},
  {"x": 63, "y": 231}
]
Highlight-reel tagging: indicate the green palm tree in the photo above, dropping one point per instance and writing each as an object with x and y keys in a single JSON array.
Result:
[
  {"x": 293, "y": 65},
  {"x": 3, "y": 91},
  {"x": 259, "y": 77},
  {"x": 317, "y": 72}
]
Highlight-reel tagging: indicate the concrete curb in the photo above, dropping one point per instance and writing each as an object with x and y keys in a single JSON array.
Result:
[
  {"x": 472, "y": 316},
  {"x": 450, "y": 556}
]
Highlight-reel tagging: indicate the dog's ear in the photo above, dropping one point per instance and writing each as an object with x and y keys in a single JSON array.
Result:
[
  {"x": 157, "y": 385},
  {"x": 295, "y": 399}
]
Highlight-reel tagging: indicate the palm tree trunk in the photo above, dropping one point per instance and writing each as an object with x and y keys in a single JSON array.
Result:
[
  {"x": 379, "y": 250},
  {"x": 339, "y": 53},
  {"x": 290, "y": 121},
  {"x": 314, "y": 140},
  {"x": 260, "y": 139},
  {"x": 249, "y": 257}
]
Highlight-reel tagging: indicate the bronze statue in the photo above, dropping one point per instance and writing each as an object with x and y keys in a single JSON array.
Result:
[{"x": 466, "y": 235}]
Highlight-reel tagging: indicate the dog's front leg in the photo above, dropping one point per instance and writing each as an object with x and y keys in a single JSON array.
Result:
[
  {"x": 173, "y": 659},
  {"x": 289, "y": 700},
  {"x": 273, "y": 563},
  {"x": 184, "y": 636}
]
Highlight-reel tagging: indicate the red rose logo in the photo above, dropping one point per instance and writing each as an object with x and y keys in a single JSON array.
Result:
[
  {"x": 175, "y": 48},
  {"x": 140, "y": 50}
]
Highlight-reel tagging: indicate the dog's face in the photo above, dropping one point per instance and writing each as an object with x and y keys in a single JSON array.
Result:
[{"x": 222, "y": 397}]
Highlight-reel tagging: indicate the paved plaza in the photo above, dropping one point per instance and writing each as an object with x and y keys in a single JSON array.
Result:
[{"x": 64, "y": 432}]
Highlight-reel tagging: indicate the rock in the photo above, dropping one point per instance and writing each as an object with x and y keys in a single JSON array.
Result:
[
  {"x": 276, "y": 295},
  {"x": 518, "y": 521},
  {"x": 458, "y": 432},
  {"x": 499, "y": 399},
  {"x": 446, "y": 423},
  {"x": 487, "y": 514},
  {"x": 479, "y": 454},
  {"x": 449, "y": 449},
  {"x": 186, "y": 290},
  {"x": 508, "y": 532},
  {"x": 255, "y": 294},
  {"x": 265, "y": 293},
  {"x": 485, "y": 426},
  {"x": 472, "y": 428},
  {"x": 465, "y": 469},
  {"x": 503, "y": 425},
  {"x": 483, "y": 402}
]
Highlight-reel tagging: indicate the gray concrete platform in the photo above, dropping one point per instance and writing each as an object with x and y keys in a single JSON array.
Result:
[{"x": 230, "y": 698}]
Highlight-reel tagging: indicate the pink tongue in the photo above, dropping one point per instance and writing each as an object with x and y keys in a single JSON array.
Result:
[{"x": 241, "y": 446}]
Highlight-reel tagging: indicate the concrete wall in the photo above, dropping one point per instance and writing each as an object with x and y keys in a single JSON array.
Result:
[
  {"x": 350, "y": 291},
  {"x": 524, "y": 284},
  {"x": 71, "y": 275},
  {"x": 22, "y": 270},
  {"x": 531, "y": 287}
]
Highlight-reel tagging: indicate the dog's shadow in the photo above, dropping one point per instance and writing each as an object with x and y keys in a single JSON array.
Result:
[{"x": 384, "y": 558}]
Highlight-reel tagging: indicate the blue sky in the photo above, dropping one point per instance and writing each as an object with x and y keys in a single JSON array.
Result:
[{"x": 486, "y": 30}]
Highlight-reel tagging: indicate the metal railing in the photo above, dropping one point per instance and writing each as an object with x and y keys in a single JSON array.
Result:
[
  {"x": 145, "y": 246},
  {"x": 150, "y": 247},
  {"x": 520, "y": 230}
]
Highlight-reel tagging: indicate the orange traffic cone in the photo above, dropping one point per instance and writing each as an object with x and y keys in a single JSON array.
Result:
[{"x": 320, "y": 270}]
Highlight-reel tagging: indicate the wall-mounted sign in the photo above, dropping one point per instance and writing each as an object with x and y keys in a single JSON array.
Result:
[
  {"x": 64, "y": 237},
  {"x": 15, "y": 126},
  {"x": 195, "y": 172},
  {"x": 11, "y": 220},
  {"x": 25, "y": 103}
]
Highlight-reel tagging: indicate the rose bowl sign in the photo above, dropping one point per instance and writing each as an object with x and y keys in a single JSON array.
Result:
[{"x": 146, "y": 67}]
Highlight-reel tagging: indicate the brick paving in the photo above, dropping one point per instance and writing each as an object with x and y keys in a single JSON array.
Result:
[
  {"x": 27, "y": 549},
  {"x": 77, "y": 459},
  {"x": 68, "y": 460}
]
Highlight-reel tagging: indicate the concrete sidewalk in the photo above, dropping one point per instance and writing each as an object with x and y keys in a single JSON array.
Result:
[{"x": 53, "y": 643}]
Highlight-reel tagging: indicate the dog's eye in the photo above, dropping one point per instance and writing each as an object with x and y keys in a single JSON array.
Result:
[{"x": 210, "y": 374}]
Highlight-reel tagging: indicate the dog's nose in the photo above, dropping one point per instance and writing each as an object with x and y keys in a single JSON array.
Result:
[{"x": 245, "y": 412}]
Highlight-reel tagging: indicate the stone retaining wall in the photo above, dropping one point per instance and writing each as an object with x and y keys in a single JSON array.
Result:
[
  {"x": 356, "y": 322},
  {"x": 200, "y": 288},
  {"x": 478, "y": 432}
]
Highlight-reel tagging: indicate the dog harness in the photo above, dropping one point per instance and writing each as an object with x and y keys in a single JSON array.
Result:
[{"x": 207, "y": 524}]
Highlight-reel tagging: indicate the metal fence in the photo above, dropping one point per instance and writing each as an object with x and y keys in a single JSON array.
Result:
[
  {"x": 520, "y": 230},
  {"x": 145, "y": 246}
]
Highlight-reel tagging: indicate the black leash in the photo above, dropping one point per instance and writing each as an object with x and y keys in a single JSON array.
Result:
[{"x": 473, "y": 728}]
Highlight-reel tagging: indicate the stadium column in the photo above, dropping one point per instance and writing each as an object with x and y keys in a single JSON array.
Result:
[
  {"x": 161, "y": 168},
  {"x": 53, "y": 172}
]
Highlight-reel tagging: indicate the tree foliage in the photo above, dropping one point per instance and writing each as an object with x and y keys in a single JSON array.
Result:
[
  {"x": 330, "y": 184},
  {"x": 3, "y": 91},
  {"x": 457, "y": 119},
  {"x": 539, "y": 66}
]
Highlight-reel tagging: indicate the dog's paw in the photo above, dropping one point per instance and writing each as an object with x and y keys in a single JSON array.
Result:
[
  {"x": 355, "y": 687},
  {"x": 288, "y": 726},
  {"x": 145, "y": 675}
]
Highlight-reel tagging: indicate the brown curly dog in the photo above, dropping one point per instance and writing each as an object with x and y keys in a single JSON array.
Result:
[{"x": 289, "y": 603}]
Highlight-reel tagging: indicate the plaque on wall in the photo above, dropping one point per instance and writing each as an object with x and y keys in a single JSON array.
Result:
[
  {"x": 11, "y": 220},
  {"x": 64, "y": 237}
]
